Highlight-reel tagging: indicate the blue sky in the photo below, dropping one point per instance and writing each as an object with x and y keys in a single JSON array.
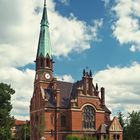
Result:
[
  {"x": 102, "y": 35},
  {"x": 108, "y": 51}
]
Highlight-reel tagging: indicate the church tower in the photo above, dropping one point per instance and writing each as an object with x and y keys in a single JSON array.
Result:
[
  {"x": 44, "y": 82},
  {"x": 44, "y": 61}
]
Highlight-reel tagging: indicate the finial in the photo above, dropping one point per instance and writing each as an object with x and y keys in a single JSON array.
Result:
[
  {"x": 44, "y": 2},
  {"x": 96, "y": 87},
  {"x": 84, "y": 72},
  {"x": 90, "y": 73}
]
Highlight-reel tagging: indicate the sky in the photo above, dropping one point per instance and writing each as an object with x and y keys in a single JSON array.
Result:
[{"x": 101, "y": 35}]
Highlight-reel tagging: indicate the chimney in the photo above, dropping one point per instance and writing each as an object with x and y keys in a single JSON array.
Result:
[{"x": 103, "y": 96}]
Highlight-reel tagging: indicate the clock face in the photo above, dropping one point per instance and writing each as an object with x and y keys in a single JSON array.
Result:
[{"x": 47, "y": 75}]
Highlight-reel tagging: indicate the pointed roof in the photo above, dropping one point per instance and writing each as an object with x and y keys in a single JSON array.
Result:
[
  {"x": 44, "y": 16},
  {"x": 115, "y": 125},
  {"x": 44, "y": 44}
]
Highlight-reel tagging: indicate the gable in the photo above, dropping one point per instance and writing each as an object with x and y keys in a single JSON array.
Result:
[{"x": 115, "y": 125}]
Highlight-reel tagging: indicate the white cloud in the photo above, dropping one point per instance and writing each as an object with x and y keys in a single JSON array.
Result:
[
  {"x": 126, "y": 27},
  {"x": 22, "y": 82},
  {"x": 122, "y": 87},
  {"x": 106, "y": 2},
  {"x": 65, "y": 2},
  {"x": 66, "y": 78},
  {"x": 19, "y": 26}
]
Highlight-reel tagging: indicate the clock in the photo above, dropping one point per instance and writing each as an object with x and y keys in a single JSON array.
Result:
[{"x": 47, "y": 76}]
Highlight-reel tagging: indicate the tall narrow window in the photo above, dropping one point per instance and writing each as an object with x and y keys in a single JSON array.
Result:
[
  {"x": 52, "y": 119},
  {"x": 116, "y": 137},
  {"x": 88, "y": 117},
  {"x": 63, "y": 121},
  {"x": 47, "y": 63},
  {"x": 41, "y": 62}
]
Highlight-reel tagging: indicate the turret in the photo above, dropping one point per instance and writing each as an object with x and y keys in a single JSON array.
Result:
[
  {"x": 44, "y": 61},
  {"x": 87, "y": 83}
]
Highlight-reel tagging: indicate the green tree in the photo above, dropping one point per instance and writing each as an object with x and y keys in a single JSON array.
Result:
[
  {"x": 70, "y": 137},
  {"x": 6, "y": 121},
  {"x": 89, "y": 138},
  {"x": 25, "y": 131},
  {"x": 132, "y": 131},
  {"x": 121, "y": 119}
]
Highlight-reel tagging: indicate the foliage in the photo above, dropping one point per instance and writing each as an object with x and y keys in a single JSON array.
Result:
[
  {"x": 89, "y": 138},
  {"x": 70, "y": 137},
  {"x": 6, "y": 121},
  {"x": 121, "y": 119},
  {"x": 25, "y": 131},
  {"x": 131, "y": 126},
  {"x": 132, "y": 130}
]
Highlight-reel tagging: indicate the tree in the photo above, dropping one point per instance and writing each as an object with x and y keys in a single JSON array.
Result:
[
  {"x": 6, "y": 121},
  {"x": 25, "y": 131},
  {"x": 132, "y": 131},
  {"x": 89, "y": 138},
  {"x": 121, "y": 119},
  {"x": 70, "y": 137}
]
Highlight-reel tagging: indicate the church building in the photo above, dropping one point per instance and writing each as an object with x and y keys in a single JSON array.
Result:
[{"x": 59, "y": 109}]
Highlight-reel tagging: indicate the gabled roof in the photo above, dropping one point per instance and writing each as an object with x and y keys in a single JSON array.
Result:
[
  {"x": 74, "y": 88},
  {"x": 49, "y": 97},
  {"x": 20, "y": 122},
  {"x": 115, "y": 125},
  {"x": 68, "y": 91},
  {"x": 65, "y": 93}
]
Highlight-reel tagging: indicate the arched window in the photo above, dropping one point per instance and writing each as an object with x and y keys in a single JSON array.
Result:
[
  {"x": 88, "y": 117},
  {"x": 63, "y": 121}
]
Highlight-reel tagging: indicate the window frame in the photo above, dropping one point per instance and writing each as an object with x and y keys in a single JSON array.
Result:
[{"x": 88, "y": 118}]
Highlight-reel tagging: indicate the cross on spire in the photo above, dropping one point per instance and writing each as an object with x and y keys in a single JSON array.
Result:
[{"x": 44, "y": 2}]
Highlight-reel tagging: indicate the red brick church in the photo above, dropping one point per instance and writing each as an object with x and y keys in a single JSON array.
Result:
[{"x": 59, "y": 108}]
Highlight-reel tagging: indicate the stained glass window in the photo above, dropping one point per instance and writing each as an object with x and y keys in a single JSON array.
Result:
[{"x": 88, "y": 117}]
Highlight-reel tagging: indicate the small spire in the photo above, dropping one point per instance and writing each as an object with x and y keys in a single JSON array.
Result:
[
  {"x": 84, "y": 72},
  {"x": 44, "y": 16},
  {"x": 44, "y": 3},
  {"x": 96, "y": 86},
  {"x": 90, "y": 73}
]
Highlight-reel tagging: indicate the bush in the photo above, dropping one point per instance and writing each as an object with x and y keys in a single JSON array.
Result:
[
  {"x": 89, "y": 138},
  {"x": 70, "y": 137}
]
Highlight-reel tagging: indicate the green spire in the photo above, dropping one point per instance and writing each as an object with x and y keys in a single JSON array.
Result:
[{"x": 44, "y": 45}]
